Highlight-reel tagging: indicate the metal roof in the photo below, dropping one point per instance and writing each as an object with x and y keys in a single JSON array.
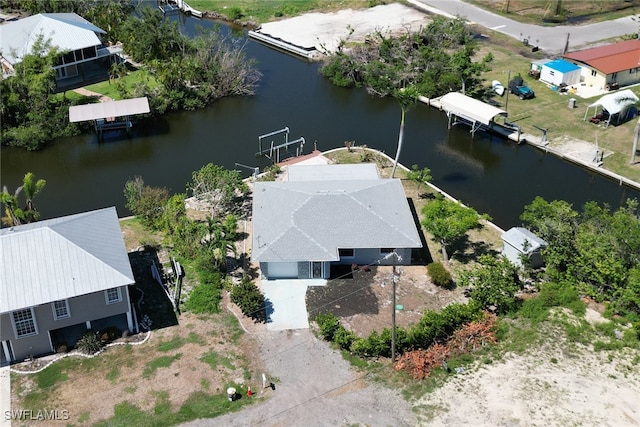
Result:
[
  {"x": 562, "y": 66},
  {"x": 611, "y": 58},
  {"x": 61, "y": 258},
  {"x": 103, "y": 110},
  {"x": 469, "y": 108},
  {"x": 517, "y": 236},
  {"x": 311, "y": 220},
  {"x": 67, "y": 31}
]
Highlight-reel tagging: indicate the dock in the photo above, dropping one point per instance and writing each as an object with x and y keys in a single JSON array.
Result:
[{"x": 581, "y": 153}]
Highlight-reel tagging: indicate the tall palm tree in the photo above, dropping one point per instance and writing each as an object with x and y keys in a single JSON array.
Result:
[
  {"x": 407, "y": 96},
  {"x": 31, "y": 188}
]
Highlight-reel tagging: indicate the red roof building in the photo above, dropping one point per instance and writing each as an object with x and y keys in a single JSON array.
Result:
[{"x": 609, "y": 66}]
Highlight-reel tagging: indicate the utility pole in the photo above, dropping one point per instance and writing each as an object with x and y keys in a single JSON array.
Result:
[
  {"x": 394, "y": 279},
  {"x": 506, "y": 103}
]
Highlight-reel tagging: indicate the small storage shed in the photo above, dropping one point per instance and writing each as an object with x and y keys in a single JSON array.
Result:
[
  {"x": 560, "y": 71},
  {"x": 519, "y": 241}
]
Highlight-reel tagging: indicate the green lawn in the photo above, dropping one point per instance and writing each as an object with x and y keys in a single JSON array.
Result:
[
  {"x": 549, "y": 109},
  {"x": 110, "y": 88}
]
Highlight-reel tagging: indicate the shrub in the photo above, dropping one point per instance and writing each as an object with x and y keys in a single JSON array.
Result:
[
  {"x": 89, "y": 343},
  {"x": 344, "y": 338},
  {"x": 204, "y": 298},
  {"x": 328, "y": 324},
  {"x": 439, "y": 275},
  {"x": 248, "y": 297}
]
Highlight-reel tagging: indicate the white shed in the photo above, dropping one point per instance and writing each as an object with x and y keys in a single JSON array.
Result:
[
  {"x": 560, "y": 71},
  {"x": 518, "y": 241}
]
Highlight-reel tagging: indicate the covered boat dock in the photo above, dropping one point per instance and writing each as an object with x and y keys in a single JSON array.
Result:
[
  {"x": 112, "y": 115},
  {"x": 461, "y": 108}
]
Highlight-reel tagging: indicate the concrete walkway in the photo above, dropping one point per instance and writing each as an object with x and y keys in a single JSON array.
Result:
[{"x": 85, "y": 92}]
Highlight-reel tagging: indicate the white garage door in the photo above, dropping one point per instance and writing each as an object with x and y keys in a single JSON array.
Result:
[{"x": 283, "y": 270}]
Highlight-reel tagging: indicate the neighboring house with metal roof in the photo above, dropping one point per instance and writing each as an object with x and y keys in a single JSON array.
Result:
[
  {"x": 60, "y": 278},
  {"x": 609, "y": 66},
  {"x": 518, "y": 243},
  {"x": 79, "y": 41},
  {"x": 330, "y": 214}
]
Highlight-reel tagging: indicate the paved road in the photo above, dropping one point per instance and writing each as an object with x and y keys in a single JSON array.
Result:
[{"x": 550, "y": 39}]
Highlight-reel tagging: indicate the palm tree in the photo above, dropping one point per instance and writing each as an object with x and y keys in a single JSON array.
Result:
[
  {"x": 31, "y": 188},
  {"x": 13, "y": 215},
  {"x": 407, "y": 96}
]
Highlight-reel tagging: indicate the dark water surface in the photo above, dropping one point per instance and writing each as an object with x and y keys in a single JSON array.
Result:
[{"x": 491, "y": 174}]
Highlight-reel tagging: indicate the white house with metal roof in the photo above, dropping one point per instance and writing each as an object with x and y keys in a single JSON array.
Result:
[
  {"x": 330, "y": 214},
  {"x": 77, "y": 39},
  {"x": 60, "y": 278}
]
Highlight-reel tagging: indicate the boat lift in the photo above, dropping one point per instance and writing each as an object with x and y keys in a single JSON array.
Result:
[
  {"x": 274, "y": 150},
  {"x": 256, "y": 170}
]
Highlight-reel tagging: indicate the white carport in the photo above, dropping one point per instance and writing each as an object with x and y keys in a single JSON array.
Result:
[
  {"x": 614, "y": 104},
  {"x": 476, "y": 113}
]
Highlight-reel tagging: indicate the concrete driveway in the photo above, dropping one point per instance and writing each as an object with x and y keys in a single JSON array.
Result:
[{"x": 286, "y": 306}]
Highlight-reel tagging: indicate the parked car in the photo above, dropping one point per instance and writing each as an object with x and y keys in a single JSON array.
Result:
[{"x": 517, "y": 87}]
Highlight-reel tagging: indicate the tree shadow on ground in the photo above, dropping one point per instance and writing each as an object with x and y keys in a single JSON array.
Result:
[
  {"x": 345, "y": 296},
  {"x": 465, "y": 250},
  {"x": 147, "y": 295}
]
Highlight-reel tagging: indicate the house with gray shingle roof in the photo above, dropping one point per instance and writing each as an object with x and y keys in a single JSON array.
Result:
[
  {"x": 60, "y": 278},
  {"x": 79, "y": 41},
  {"x": 326, "y": 215}
]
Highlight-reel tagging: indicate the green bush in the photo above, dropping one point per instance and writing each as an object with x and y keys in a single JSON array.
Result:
[
  {"x": 89, "y": 343},
  {"x": 439, "y": 275},
  {"x": 251, "y": 301},
  {"x": 204, "y": 298},
  {"x": 344, "y": 338},
  {"x": 328, "y": 325}
]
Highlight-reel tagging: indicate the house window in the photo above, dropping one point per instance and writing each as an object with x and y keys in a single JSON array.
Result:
[
  {"x": 89, "y": 52},
  {"x": 551, "y": 73},
  {"x": 593, "y": 73},
  {"x": 345, "y": 253},
  {"x": 24, "y": 323},
  {"x": 113, "y": 295},
  {"x": 386, "y": 251},
  {"x": 60, "y": 309},
  {"x": 69, "y": 57},
  {"x": 633, "y": 70}
]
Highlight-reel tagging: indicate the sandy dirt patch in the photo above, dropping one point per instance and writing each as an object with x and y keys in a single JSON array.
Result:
[
  {"x": 580, "y": 389},
  {"x": 323, "y": 31}
]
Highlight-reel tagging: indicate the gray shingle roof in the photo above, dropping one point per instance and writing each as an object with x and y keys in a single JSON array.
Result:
[
  {"x": 62, "y": 258},
  {"x": 310, "y": 220},
  {"x": 67, "y": 31}
]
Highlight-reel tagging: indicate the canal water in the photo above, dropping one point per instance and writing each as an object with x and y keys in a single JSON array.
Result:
[{"x": 493, "y": 175}]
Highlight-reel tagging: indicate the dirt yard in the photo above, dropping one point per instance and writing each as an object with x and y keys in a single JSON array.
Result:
[{"x": 363, "y": 300}]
